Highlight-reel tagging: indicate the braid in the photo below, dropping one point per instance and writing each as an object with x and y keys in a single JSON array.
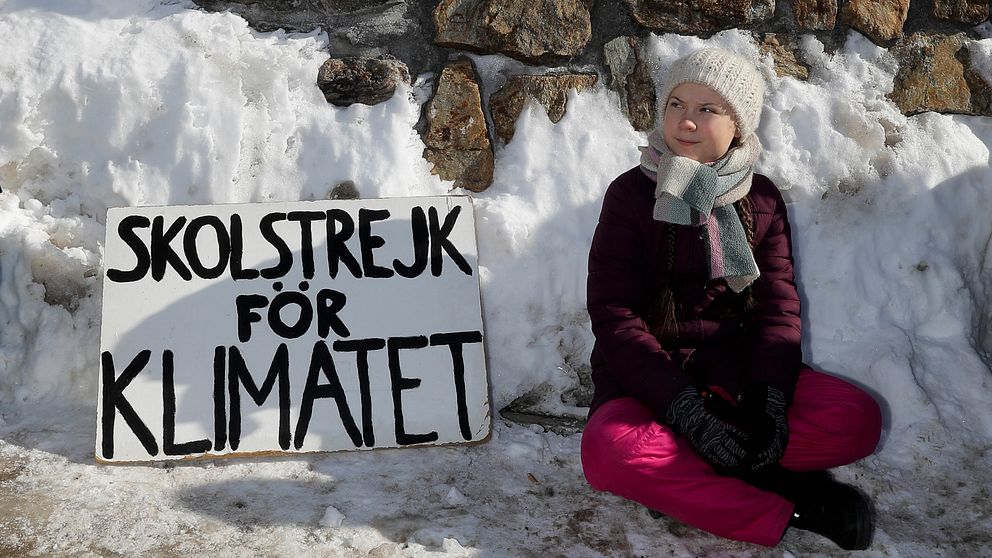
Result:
[
  {"x": 746, "y": 215},
  {"x": 663, "y": 320},
  {"x": 745, "y": 211}
]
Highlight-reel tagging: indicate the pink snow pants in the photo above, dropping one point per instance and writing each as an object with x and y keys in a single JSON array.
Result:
[{"x": 624, "y": 451}]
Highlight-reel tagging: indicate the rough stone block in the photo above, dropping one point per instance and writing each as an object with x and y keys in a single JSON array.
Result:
[
  {"x": 935, "y": 74},
  {"x": 457, "y": 138},
  {"x": 788, "y": 61},
  {"x": 551, "y": 91},
  {"x": 817, "y": 15},
  {"x": 631, "y": 78},
  {"x": 699, "y": 16},
  {"x": 879, "y": 20},
  {"x": 971, "y": 12},
  {"x": 529, "y": 30},
  {"x": 346, "y": 81}
]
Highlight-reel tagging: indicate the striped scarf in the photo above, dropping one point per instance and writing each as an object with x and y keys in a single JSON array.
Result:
[{"x": 689, "y": 193}]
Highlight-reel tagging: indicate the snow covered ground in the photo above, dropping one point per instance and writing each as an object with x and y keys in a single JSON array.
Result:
[{"x": 125, "y": 102}]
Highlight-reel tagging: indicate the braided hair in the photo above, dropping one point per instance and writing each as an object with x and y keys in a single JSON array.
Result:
[
  {"x": 661, "y": 314},
  {"x": 745, "y": 211}
]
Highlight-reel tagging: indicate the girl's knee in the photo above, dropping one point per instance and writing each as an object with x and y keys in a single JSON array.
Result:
[
  {"x": 842, "y": 427},
  {"x": 859, "y": 424},
  {"x": 619, "y": 448},
  {"x": 656, "y": 460},
  {"x": 869, "y": 427},
  {"x": 841, "y": 411}
]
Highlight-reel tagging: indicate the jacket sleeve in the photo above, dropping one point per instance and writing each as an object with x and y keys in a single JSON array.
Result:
[
  {"x": 776, "y": 325},
  {"x": 615, "y": 288}
]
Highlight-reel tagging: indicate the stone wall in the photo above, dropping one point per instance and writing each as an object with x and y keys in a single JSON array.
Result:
[
  {"x": 375, "y": 45},
  {"x": 550, "y": 47}
]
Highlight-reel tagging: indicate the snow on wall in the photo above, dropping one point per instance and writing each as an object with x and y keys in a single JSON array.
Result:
[{"x": 126, "y": 103}]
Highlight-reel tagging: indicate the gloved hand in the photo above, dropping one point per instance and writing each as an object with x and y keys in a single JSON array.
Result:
[
  {"x": 763, "y": 416},
  {"x": 719, "y": 441}
]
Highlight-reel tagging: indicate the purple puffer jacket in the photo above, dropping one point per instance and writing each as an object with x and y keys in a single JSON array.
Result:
[{"x": 710, "y": 347}]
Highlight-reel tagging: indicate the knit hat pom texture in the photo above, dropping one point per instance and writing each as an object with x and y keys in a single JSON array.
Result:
[{"x": 732, "y": 76}]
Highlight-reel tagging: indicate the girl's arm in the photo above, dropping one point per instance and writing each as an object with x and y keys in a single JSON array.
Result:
[
  {"x": 615, "y": 288},
  {"x": 776, "y": 326}
]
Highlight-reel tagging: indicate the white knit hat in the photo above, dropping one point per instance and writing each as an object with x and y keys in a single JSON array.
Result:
[{"x": 733, "y": 77}]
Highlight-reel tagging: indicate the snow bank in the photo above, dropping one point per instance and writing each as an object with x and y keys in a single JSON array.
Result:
[
  {"x": 126, "y": 103},
  {"x": 135, "y": 102},
  {"x": 96, "y": 113}
]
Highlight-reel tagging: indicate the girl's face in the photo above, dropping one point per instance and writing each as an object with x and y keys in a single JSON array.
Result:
[{"x": 699, "y": 124}]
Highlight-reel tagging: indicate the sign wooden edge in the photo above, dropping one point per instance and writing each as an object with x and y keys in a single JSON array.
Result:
[{"x": 210, "y": 456}]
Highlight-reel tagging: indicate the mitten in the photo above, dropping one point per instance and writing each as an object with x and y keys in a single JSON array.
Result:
[
  {"x": 763, "y": 411},
  {"x": 718, "y": 441}
]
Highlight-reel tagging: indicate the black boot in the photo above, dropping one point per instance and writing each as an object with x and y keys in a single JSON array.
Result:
[
  {"x": 841, "y": 513},
  {"x": 822, "y": 505}
]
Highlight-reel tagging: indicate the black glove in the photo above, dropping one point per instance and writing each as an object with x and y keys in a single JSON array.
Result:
[
  {"x": 763, "y": 416},
  {"x": 718, "y": 441}
]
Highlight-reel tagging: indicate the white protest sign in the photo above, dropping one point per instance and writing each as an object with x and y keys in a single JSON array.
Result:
[{"x": 290, "y": 327}]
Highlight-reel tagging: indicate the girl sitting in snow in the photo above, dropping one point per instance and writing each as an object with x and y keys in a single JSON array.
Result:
[{"x": 704, "y": 410}]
